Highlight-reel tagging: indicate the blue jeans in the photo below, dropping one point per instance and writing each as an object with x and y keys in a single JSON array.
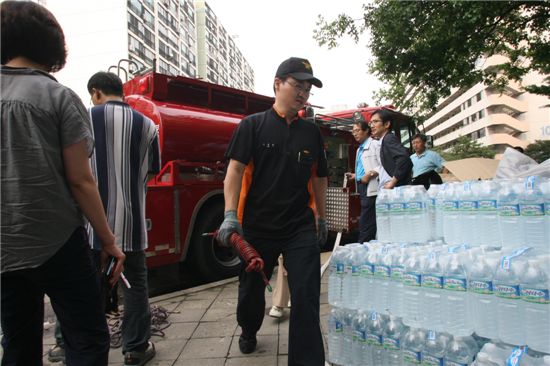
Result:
[{"x": 70, "y": 280}]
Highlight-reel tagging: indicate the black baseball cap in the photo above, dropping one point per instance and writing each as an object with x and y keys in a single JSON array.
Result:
[{"x": 299, "y": 69}]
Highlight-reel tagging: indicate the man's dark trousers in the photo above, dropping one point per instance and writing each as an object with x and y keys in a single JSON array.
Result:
[
  {"x": 301, "y": 260},
  {"x": 367, "y": 220},
  {"x": 71, "y": 281}
]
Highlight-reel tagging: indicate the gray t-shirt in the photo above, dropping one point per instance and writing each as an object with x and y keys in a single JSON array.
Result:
[{"x": 39, "y": 117}]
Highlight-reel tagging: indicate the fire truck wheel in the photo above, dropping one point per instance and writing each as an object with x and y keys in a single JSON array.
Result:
[{"x": 210, "y": 260}]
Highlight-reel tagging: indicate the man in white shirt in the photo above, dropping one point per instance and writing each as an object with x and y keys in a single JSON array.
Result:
[{"x": 367, "y": 170}]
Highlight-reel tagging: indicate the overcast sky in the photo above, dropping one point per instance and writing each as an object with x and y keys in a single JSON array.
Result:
[{"x": 270, "y": 31}]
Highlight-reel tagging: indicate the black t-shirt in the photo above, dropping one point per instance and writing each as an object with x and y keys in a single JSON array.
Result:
[{"x": 281, "y": 159}]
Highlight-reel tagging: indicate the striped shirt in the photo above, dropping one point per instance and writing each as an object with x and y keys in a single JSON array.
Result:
[{"x": 127, "y": 149}]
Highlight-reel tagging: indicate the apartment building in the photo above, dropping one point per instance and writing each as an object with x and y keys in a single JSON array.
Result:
[
  {"x": 220, "y": 61},
  {"x": 492, "y": 117},
  {"x": 100, "y": 33}
]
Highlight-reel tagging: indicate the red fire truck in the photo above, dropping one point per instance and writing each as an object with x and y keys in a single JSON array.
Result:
[{"x": 185, "y": 200}]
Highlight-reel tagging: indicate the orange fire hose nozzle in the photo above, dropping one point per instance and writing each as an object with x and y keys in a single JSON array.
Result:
[{"x": 248, "y": 253}]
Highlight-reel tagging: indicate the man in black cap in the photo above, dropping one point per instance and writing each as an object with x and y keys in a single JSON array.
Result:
[{"x": 274, "y": 158}]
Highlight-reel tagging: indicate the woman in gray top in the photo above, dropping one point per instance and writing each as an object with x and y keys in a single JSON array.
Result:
[{"x": 47, "y": 186}]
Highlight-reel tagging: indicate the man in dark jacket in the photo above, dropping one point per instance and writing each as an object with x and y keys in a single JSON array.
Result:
[{"x": 396, "y": 163}]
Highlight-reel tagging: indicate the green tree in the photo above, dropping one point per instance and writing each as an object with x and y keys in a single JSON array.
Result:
[
  {"x": 464, "y": 148},
  {"x": 539, "y": 150},
  {"x": 423, "y": 49}
]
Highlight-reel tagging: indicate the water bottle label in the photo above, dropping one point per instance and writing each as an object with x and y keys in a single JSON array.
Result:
[
  {"x": 431, "y": 335},
  {"x": 374, "y": 339},
  {"x": 396, "y": 273},
  {"x": 487, "y": 205},
  {"x": 432, "y": 281},
  {"x": 547, "y": 208},
  {"x": 452, "y": 363},
  {"x": 508, "y": 210},
  {"x": 359, "y": 336},
  {"x": 481, "y": 287},
  {"x": 373, "y": 315},
  {"x": 414, "y": 206},
  {"x": 340, "y": 268},
  {"x": 429, "y": 360},
  {"x": 431, "y": 202},
  {"x": 367, "y": 270},
  {"x": 532, "y": 210},
  {"x": 515, "y": 356},
  {"x": 382, "y": 207},
  {"x": 530, "y": 182},
  {"x": 539, "y": 296},
  {"x": 507, "y": 260},
  {"x": 508, "y": 292},
  {"x": 412, "y": 279},
  {"x": 450, "y": 205},
  {"x": 397, "y": 207},
  {"x": 411, "y": 356},
  {"x": 455, "y": 284},
  {"x": 347, "y": 268},
  {"x": 391, "y": 344},
  {"x": 339, "y": 328},
  {"x": 468, "y": 205},
  {"x": 355, "y": 271},
  {"x": 381, "y": 271}
]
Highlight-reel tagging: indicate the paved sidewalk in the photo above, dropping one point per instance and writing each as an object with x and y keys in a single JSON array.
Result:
[{"x": 204, "y": 331}]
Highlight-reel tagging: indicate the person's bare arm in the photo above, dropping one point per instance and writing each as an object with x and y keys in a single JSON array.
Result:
[
  {"x": 232, "y": 184},
  {"x": 83, "y": 187},
  {"x": 319, "y": 185}
]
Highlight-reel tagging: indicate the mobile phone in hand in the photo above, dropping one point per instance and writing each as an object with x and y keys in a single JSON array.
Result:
[{"x": 111, "y": 262}]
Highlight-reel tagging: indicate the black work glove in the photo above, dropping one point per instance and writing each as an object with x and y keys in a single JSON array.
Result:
[
  {"x": 322, "y": 232},
  {"x": 229, "y": 226}
]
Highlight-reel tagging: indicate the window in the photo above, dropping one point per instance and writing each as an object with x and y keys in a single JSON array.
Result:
[
  {"x": 481, "y": 114},
  {"x": 478, "y": 97}
]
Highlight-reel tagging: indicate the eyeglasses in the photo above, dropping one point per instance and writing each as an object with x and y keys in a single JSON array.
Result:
[{"x": 300, "y": 89}]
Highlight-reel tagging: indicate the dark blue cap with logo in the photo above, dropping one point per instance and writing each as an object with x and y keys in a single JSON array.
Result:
[{"x": 299, "y": 69}]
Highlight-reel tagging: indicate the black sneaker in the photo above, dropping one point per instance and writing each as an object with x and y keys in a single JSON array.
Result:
[
  {"x": 56, "y": 354},
  {"x": 132, "y": 358},
  {"x": 247, "y": 343}
]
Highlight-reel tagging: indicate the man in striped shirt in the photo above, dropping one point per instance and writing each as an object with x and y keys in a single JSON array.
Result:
[{"x": 125, "y": 157}]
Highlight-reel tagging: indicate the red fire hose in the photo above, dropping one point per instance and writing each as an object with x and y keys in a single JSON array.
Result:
[{"x": 248, "y": 253}]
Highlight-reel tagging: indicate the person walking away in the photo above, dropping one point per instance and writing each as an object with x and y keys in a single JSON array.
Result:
[
  {"x": 367, "y": 167},
  {"x": 47, "y": 189},
  {"x": 126, "y": 156},
  {"x": 426, "y": 163},
  {"x": 396, "y": 163},
  {"x": 274, "y": 156}
]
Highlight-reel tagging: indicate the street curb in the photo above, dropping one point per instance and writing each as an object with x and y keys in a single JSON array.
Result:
[{"x": 192, "y": 290}]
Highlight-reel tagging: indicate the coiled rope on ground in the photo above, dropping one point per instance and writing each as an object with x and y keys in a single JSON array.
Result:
[{"x": 159, "y": 322}]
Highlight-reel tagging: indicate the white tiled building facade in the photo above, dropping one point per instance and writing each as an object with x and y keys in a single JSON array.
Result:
[
  {"x": 101, "y": 32},
  {"x": 508, "y": 119}
]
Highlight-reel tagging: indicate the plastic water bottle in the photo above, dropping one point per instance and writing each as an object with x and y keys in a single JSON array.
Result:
[
  {"x": 545, "y": 186},
  {"x": 383, "y": 228},
  {"x": 531, "y": 207},
  {"x": 382, "y": 271},
  {"x": 347, "y": 323},
  {"x": 417, "y": 213},
  {"x": 335, "y": 336},
  {"x": 413, "y": 345},
  {"x": 509, "y": 309},
  {"x": 397, "y": 268},
  {"x": 534, "y": 288},
  {"x": 450, "y": 215},
  {"x": 359, "y": 341},
  {"x": 468, "y": 208},
  {"x": 353, "y": 276},
  {"x": 412, "y": 280},
  {"x": 432, "y": 286},
  {"x": 511, "y": 228},
  {"x": 482, "y": 298},
  {"x": 455, "y": 302},
  {"x": 366, "y": 281},
  {"x": 336, "y": 276},
  {"x": 487, "y": 214},
  {"x": 435, "y": 348},
  {"x": 493, "y": 354},
  {"x": 432, "y": 210},
  {"x": 393, "y": 332},
  {"x": 439, "y": 210},
  {"x": 398, "y": 222},
  {"x": 375, "y": 340},
  {"x": 460, "y": 351}
]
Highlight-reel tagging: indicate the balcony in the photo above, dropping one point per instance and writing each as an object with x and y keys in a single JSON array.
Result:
[{"x": 502, "y": 139}]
